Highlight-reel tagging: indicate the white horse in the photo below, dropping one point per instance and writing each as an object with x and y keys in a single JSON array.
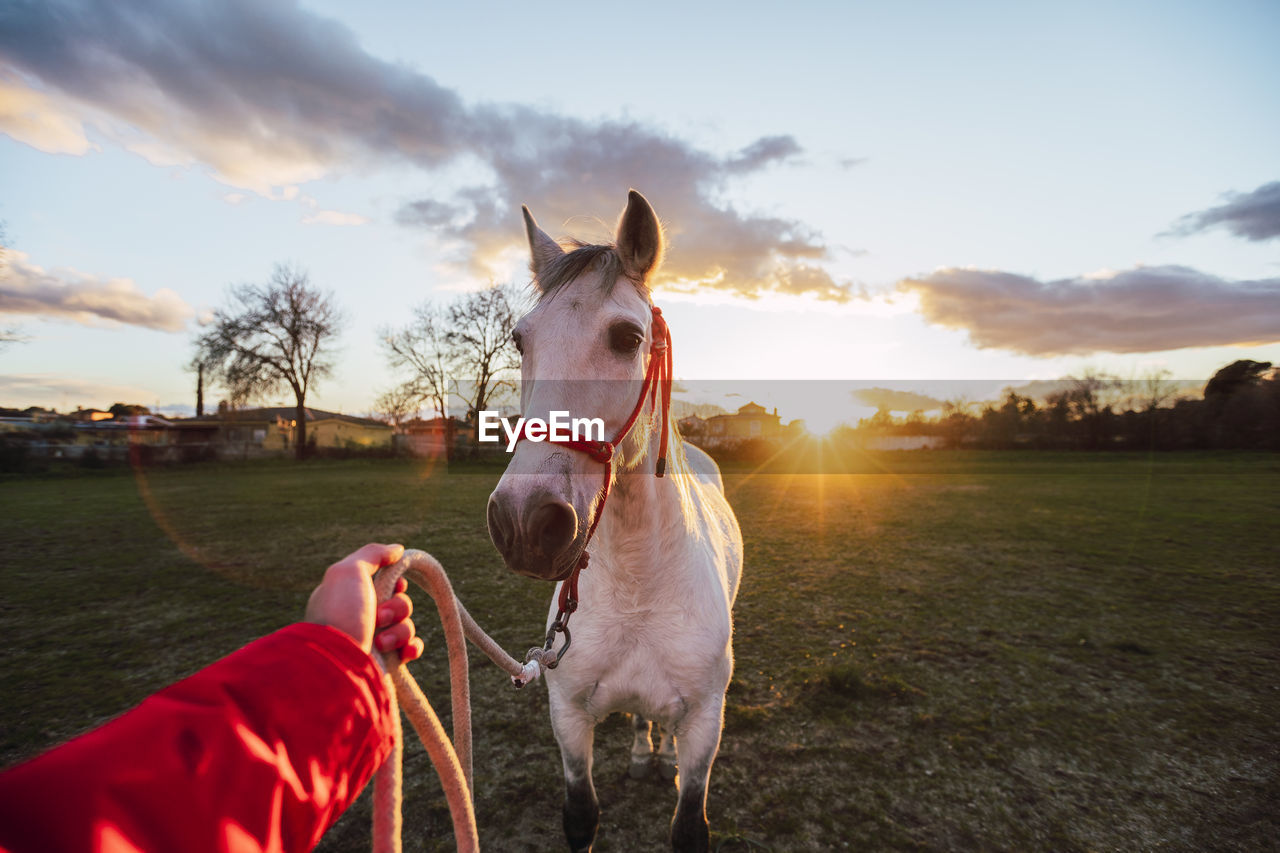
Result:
[{"x": 652, "y": 634}]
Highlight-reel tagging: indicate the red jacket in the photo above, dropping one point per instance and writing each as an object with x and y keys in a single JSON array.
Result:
[{"x": 261, "y": 751}]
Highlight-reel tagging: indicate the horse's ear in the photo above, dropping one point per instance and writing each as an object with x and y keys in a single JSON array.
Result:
[
  {"x": 542, "y": 249},
  {"x": 639, "y": 238}
]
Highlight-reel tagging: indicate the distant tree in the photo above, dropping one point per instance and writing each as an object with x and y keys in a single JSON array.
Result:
[
  {"x": 398, "y": 404},
  {"x": 956, "y": 421},
  {"x": 1241, "y": 405},
  {"x": 1004, "y": 424},
  {"x": 1155, "y": 388},
  {"x": 1148, "y": 416},
  {"x": 1087, "y": 402},
  {"x": 422, "y": 349},
  {"x": 124, "y": 410},
  {"x": 464, "y": 348},
  {"x": 479, "y": 341},
  {"x": 1235, "y": 376},
  {"x": 272, "y": 335}
]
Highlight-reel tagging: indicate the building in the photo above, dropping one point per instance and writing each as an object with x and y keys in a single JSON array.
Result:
[
  {"x": 275, "y": 429},
  {"x": 750, "y": 421},
  {"x": 434, "y": 437}
]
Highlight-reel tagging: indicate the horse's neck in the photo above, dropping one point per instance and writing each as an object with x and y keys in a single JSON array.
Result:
[{"x": 642, "y": 511}]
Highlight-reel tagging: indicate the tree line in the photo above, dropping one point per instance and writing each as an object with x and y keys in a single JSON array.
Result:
[{"x": 1239, "y": 409}]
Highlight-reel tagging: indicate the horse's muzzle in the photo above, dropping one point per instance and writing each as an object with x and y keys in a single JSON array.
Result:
[{"x": 538, "y": 542}]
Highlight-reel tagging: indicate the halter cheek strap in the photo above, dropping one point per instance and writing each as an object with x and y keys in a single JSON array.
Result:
[{"x": 657, "y": 381}]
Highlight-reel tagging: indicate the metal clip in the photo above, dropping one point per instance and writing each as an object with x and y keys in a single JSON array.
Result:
[{"x": 561, "y": 628}]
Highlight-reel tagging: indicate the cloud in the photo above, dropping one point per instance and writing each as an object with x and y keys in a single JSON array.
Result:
[
  {"x": 36, "y": 119},
  {"x": 1254, "y": 215},
  {"x": 269, "y": 95},
  {"x": 66, "y": 392},
  {"x": 334, "y": 217},
  {"x": 327, "y": 217},
  {"x": 763, "y": 152},
  {"x": 82, "y": 298},
  {"x": 894, "y": 400},
  {"x": 1145, "y": 309},
  {"x": 566, "y": 168}
]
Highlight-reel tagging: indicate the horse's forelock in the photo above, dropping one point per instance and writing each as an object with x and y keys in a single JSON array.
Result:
[{"x": 598, "y": 257}]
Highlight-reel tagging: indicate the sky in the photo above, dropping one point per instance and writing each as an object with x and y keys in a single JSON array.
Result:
[{"x": 910, "y": 195}]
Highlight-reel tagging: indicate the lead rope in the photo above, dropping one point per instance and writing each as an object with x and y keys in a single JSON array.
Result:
[{"x": 452, "y": 760}]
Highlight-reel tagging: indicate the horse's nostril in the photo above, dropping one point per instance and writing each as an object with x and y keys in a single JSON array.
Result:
[
  {"x": 553, "y": 526},
  {"x": 501, "y": 530}
]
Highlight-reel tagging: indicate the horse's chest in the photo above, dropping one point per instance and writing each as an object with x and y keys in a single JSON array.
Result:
[{"x": 647, "y": 664}]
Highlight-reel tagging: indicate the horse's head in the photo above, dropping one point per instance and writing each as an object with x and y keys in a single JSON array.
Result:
[{"x": 584, "y": 347}]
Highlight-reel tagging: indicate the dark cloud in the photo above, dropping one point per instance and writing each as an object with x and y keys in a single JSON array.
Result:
[
  {"x": 1254, "y": 216},
  {"x": 893, "y": 400},
  {"x": 566, "y": 169},
  {"x": 268, "y": 94},
  {"x": 1146, "y": 309},
  {"x": 263, "y": 92},
  {"x": 763, "y": 152},
  {"x": 28, "y": 289}
]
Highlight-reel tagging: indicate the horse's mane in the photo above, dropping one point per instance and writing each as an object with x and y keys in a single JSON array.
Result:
[{"x": 603, "y": 258}]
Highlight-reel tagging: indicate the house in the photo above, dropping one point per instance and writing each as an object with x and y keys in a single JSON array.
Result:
[
  {"x": 750, "y": 421},
  {"x": 274, "y": 429},
  {"x": 434, "y": 437}
]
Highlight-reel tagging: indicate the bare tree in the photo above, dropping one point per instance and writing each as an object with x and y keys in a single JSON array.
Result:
[
  {"x": 399, "y": 403},
  {"x": 479, "y": 339},
  {"x": 421, "y": 349},
  {"x": 273, "y": 335},
  {"x": 1090, "y": 393},
  {"x": 1085, "y": 405},
  {"x": 1155, "y": 388},
  {"x": 464, "y": 348}
]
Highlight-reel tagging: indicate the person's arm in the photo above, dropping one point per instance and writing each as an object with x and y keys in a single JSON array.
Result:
[{"x": 260, "y": 751}]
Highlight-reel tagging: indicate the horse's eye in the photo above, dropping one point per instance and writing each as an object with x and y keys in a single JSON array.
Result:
[
  {"x": 518, "y": 341},
  {"x": 625, "y": 339}
]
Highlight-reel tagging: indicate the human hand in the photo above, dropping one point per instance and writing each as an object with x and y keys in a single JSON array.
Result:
[{"x": 345, "y": 600}]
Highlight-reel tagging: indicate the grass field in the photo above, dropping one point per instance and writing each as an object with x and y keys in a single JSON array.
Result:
[{"x": 941, "y": 651}]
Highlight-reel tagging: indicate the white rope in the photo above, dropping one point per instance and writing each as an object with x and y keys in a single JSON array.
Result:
[{"x": 452, "y": 760}]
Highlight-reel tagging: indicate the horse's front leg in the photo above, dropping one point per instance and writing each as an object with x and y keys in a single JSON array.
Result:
[
  {"x": 697, "y": 741},
  {"x": 575, "y": 732}
]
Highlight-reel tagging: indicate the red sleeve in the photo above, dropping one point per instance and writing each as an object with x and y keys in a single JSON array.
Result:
[{"x": 261, "y": 751}]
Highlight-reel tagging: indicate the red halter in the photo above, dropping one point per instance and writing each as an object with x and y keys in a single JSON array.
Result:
[{"x": 657, "y": 377}]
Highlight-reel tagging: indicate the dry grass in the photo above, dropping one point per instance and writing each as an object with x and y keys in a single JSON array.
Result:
[{"x": 946, "y": 651}]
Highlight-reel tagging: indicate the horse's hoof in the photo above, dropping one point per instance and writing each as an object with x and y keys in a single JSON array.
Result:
[
  {"x": 640, "y": 769},
  {"x": 668, "y": 771}
]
